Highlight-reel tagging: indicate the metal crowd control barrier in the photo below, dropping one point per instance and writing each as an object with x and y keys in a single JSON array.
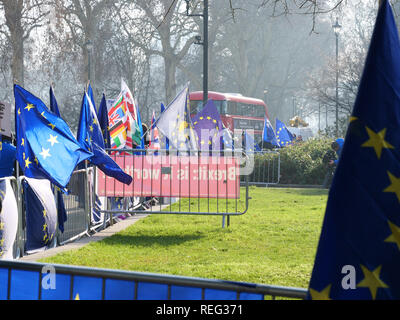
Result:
[
  {"x": 173, "y": 182},
  {"x": 267, "y": 169},
  {"x": 37, "y": 281},
  {"x": 77, "y": 208}
]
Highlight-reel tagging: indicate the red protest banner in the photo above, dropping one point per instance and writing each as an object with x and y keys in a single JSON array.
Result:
[{"x": 174, "y": 176}]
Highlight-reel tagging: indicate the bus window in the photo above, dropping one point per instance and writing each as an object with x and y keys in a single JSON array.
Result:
[
  {"x": 232, "y": 108},
  {"x": 221, "y": 106},
  {"x": 250, "y": 110}
]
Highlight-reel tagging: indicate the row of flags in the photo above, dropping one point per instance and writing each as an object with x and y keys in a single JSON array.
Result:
[{"x": 281, "y": 138}]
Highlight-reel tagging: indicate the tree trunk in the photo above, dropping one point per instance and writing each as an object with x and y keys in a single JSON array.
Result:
[
  {"x": 170, "y": 81},
  {"x": 13, "y": 15}
]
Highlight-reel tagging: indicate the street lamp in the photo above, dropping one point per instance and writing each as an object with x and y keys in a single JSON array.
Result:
[
  {"x": 336, "y": 28},
  {"x": 204, "y": 43},
  {"x": 89, "y": 48}
]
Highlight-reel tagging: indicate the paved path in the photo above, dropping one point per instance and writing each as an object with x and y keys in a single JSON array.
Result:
[{"x": 116, "y": 227}]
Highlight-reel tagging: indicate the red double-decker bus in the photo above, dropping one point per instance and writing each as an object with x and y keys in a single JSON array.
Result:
[{"x": 237, "y": 111}]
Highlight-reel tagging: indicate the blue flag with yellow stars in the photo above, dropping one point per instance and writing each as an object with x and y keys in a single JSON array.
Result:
[
  {"x": 358, "y": 255},
  {"x": 90, "y": 136},
  {"x": 269, "y": 134},
  {"x": 41, "y": 214},
  {"x": 175, "y": 123},
  {"x": 102, "y": 115},
  {"x": 46, "y": 147},
  {"x": 283, "y": 135},
  {"x": 209, "y": 127}
]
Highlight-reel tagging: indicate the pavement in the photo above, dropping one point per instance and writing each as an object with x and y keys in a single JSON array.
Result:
[{"x": 79, "y": 243}]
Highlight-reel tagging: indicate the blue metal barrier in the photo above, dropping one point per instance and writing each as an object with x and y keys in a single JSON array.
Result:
[{"x": 37, "y": 281}]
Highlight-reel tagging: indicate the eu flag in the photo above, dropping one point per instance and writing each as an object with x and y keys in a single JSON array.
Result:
[
  {"x": 175, "y": 123},
  {"x": 102, "y": 115},
  {"x": 41, "y": 213},
  {"x": 269, "y": 134},
  {"x": 90, "y": 136},
  {"x": 46, "y": 147},
  {"x": 208, "y": 126},
  {"x": 358, "y": 255},
  {"x": 283, "y": 135}
]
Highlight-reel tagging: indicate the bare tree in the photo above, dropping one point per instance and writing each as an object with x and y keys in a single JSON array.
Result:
[
  {"x": 166, "y": 33},
  {"x": 85, "y": 19},
  {"x": 21, "y": 17}
]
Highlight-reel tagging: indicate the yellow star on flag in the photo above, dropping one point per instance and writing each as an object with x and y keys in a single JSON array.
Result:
[
  {"x": 394, "y": 186},
  {"x": 352, "y": 118},
  {"x": 377, "y": 141},
  {"x": 321, "y": 295},
  {"x": 22, "y": 141},
  {"x": 27, "y": 162},
  {"x": 372, "y": 281},
  {"x": 52, "y": 126},
  {"x": 29, "y": 106},
  {"x": 395, "y": 236}
]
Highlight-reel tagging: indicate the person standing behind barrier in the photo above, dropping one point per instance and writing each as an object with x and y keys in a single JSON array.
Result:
[
  {"x": 7, "y": 158},
  {"x": 337, "y": 146},
  {"x": 332, "y": 160}
]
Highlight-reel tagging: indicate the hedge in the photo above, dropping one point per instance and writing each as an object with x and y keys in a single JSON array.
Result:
[{"x": 300, "y": 163}]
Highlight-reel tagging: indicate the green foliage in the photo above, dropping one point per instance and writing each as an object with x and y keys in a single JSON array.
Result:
[{"x": 301, "y": 163}]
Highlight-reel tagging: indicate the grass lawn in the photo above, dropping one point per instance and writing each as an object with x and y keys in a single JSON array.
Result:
[{"x": 273, "y": 243}]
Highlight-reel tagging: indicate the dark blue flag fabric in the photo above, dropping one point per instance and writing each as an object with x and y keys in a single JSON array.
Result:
[
  {"x": 103, "y": 120},
  {"x": 61, "y": 211},
  {"x": 175, "y": 123},
  {"x": 53, "y": 103},
  {"x": 269, "y": 134},
  {"x": 46, "y": 147},
  {"x": 90, "y": 136},
  {"x": 358, "y": 255},
  {"x": 166, "y": 139},
  {"x": 283, "y": 135},
  {"x": 41, "y": 214}
]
